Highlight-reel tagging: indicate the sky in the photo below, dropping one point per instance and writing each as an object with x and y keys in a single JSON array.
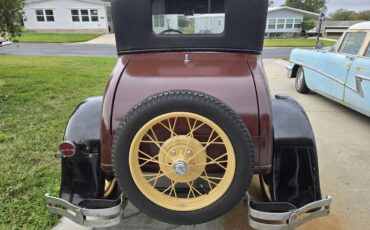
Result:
[{"x": 333, "y": 5}]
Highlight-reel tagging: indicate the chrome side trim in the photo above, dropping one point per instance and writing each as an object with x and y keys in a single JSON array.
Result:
[
  {"x": 288, "y": 220},
  {"x": 320, "y": 72},
  {"x": 105, "y": 217},
  {"x": 358, "y": 79}
]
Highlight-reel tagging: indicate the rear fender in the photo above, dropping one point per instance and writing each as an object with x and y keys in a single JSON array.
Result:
[
  {"x": 81, "y": 174},
  {"x": 295, "y": 173}
]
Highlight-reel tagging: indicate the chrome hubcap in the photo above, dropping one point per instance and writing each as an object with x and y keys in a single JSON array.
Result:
[
  {"x": 300, "y": 79},
  {"x": 180, "y": 168}
]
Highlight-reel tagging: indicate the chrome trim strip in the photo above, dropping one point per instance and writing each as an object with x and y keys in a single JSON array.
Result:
[
  {"x": 318, "y": 71},
  {"x": 358, "y": 79}
]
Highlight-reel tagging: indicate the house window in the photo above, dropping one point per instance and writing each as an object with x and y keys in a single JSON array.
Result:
[
  {"x": 85, "y": 15},
  {"x": 297, "y": 23},
  {"x": 75, "y": 15},
  {"x": 280, "y": 23},
  {"x": 289, "y": 23},
  {"x": 94, "y": 15},
  {"x": 272, "y": 24},
  {"x": 158, "y": 20},
  {"x": 44, "y": 15}
]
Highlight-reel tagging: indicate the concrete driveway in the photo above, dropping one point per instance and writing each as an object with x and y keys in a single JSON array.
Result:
[{"x": 343, "y": 140}]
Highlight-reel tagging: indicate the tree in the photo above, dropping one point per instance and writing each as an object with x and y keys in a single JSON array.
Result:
[
  {"x": 309, "y": 5},
  {"x": 181, "y": 21},
  {"x": 11, "y": 13},
  {"x": 346, "y": 15},
  {"x": 308, "y": 24},
  {"x": 294, "y": 3}
]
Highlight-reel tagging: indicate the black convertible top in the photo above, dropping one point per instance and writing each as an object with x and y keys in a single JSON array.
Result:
[{"x": 245, "y": 22}]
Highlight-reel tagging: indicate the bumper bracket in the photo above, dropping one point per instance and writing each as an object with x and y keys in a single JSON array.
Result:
[
  {"x": 89, "y": 213},
  {"x": 284, "y": 216}
]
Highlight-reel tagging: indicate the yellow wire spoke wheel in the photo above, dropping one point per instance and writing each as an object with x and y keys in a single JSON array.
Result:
[
  {"x": 183, "y": 157},
  {"x": 188, "y": 173}
]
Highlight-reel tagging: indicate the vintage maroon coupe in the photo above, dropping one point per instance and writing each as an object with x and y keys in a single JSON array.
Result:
[{"x": 186, "y": 120}]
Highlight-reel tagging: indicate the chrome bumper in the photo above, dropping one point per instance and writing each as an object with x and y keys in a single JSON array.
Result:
[
  {"x": 289, "y": 69},
  {"x": 284, "y": 216},
  {"x": 94, "y": 217}
]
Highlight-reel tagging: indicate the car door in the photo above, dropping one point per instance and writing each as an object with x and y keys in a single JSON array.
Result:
[
  {"x": 357, "y": 91},
  {"x": 334, "y": 66}
]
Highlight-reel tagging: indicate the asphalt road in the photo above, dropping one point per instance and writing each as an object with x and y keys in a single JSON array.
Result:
[{"x": 100, "y": 50}]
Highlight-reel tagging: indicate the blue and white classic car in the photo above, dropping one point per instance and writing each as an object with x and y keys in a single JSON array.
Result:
[{"x": 341, "y": 73}]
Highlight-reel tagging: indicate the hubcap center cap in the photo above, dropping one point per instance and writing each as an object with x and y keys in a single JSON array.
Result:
[{"x": 180, "y": 168}]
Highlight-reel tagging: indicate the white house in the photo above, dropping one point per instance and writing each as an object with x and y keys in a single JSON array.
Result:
[
  {"x": 279, "y": 20},
  {"x": 287, "y": 19},
  {"x": 95, "y": 16},
  {"x": 210, "y": 23},
  {"x": 88, "y": 16}
]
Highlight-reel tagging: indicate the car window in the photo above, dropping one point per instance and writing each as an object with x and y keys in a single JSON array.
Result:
[
  {"x": 188, "y": 17},
  {"x": 352, "y": 43},
  {"x": 367, "y": 53}
]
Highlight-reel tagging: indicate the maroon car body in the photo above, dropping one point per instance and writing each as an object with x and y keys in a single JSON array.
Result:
[
  {"x": 195, "y": 61},
  {"x": 234, "y": 78}
]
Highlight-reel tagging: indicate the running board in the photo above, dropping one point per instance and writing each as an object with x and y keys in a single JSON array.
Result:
[
  {"x": 283, "y": 215},
  {"x": 90, "y": 212}
]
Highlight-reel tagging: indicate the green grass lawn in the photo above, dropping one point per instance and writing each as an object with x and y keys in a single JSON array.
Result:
[
  {"x": 37, "y": 96},
  {"x": 55, "y": 38},
  {"x": 299, "y": 42}
]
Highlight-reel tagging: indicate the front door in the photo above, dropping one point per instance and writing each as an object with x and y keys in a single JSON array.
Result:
[
  {"x": 333, "y": 68},
  {"x": 357, "y": 92},
  {"x": 336, "y": 65}
]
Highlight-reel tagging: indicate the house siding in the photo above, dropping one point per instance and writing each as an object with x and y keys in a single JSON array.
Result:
[
  {"x": 63, "y": 17},
  {"x": 284, "y": 14}
]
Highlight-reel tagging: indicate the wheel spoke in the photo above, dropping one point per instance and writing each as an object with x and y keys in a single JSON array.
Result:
[
  {"x": 153, "y": 161},
  {"x": 212, "y": 161},
  {"x": 213, "y": 143},
  {"x": 173, "y": 188},
  {"x": 216, "y": 162},
  {"x": 194, "y": 189},
  {"x": 193, "y": 129},
  {"x": 159, "y": 176},
  {"x": 204, "y": 147},
  {"x": 154, "y": 141},
  {"x": 190, "y": 189},
  {"x": 149, "y": 159},
  {"x": 155, "y": 181},
  {"x": 172, "y": 128},
  {"x": 154, "y": 135},
  {"x": 206, "y": 178}
]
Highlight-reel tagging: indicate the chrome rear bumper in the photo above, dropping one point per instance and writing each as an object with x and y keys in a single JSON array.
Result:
[
  {"x": 284, "y": 216},
  {"x": 106, "y": 214}
]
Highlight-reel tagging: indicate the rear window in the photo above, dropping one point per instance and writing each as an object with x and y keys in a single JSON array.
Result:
[{"x": 188, "y": 17}]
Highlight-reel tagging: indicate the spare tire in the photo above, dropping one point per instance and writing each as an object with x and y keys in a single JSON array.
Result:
[{"x": 183, "y": 157}]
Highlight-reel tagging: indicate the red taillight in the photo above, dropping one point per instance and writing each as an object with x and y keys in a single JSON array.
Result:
[{"x": 67, "y": 149}]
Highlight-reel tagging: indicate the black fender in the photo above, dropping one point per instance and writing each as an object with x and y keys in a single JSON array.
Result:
[
  {"x": 295, "y": 173},
  {"x": 81, "y": 175}
]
